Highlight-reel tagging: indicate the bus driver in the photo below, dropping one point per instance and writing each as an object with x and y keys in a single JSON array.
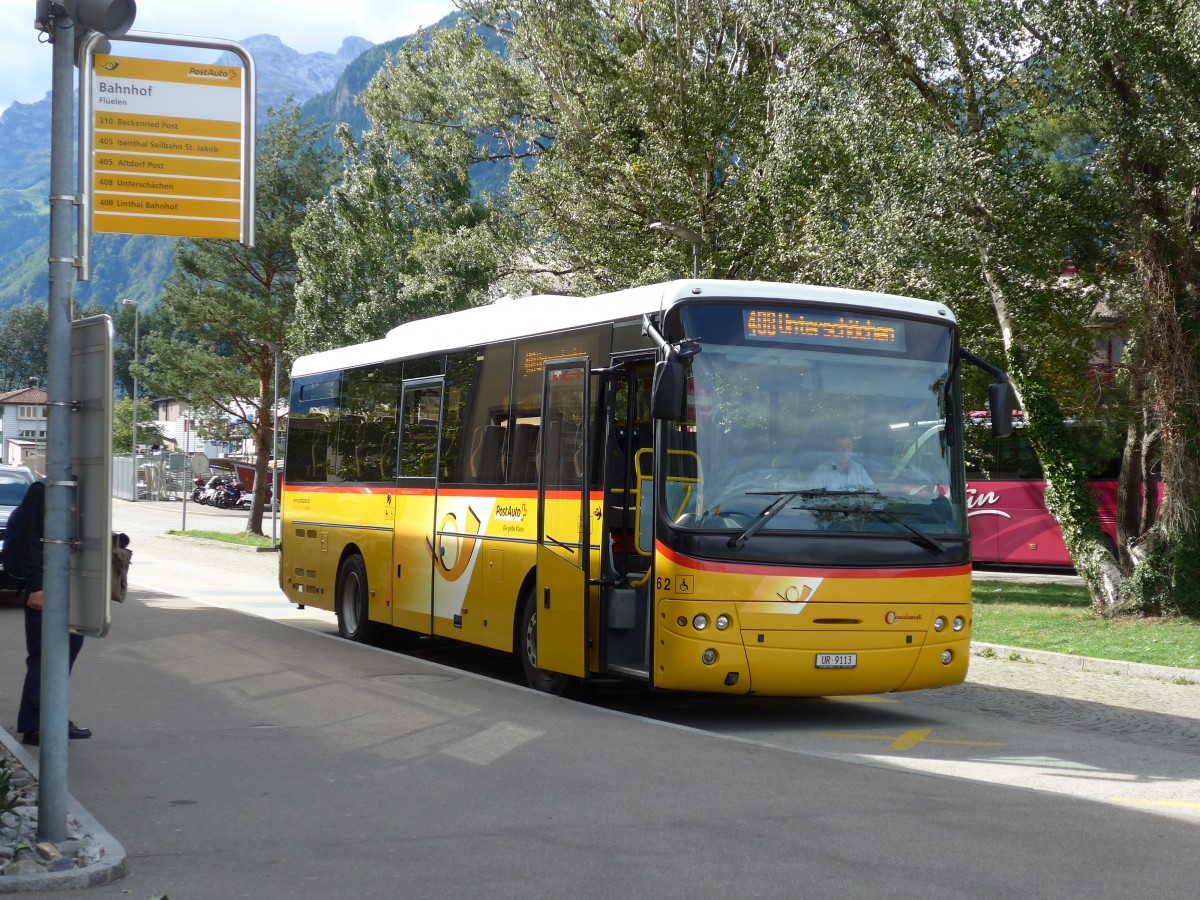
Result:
[{"x": 840, "y": 472}]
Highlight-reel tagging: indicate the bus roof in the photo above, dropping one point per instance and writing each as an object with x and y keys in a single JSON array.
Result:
[{"x": 512, "y": 318}]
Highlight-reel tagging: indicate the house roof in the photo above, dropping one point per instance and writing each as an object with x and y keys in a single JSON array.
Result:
[{"x": 23, "y": 396}]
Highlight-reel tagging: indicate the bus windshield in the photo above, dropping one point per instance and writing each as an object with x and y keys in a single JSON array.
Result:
[{"x": 817, "y": 420}]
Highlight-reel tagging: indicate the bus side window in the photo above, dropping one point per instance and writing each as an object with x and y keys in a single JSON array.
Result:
[
  {"x": 366, "y": 446},
  {"x": 475, "y": 432},
  {"x": 312, "y": 444},
  {"x": 418, "y": 448}
]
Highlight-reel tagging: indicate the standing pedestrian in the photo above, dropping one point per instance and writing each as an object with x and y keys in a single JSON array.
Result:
[{"x": 23, "y": 559}]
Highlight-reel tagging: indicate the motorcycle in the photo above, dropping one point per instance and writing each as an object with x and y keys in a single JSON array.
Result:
[
  {"x": 197, "y": 490},
  {"x": 228, "y": 494},
  {"x": 211, "y": 490},
  {"x": 248, "y": 500}
]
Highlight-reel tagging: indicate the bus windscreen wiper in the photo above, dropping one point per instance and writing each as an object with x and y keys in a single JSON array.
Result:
[
  {"x": 925, "y": 540},
  {"x": 782, "y": 498}
]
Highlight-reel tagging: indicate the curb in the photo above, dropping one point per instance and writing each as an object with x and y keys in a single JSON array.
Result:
[
  {"x": 109, "y": 868},
  {"x": 1090, "y": 663},
  {"x": 211, "y": 542}
]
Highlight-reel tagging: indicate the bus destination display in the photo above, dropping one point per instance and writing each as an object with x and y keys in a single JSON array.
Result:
[{"x": 823, "y": 329}]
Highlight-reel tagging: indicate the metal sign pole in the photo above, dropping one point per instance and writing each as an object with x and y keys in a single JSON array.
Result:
[{"x": 52, "y": 787}]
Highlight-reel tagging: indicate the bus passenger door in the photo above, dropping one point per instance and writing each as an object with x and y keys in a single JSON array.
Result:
[
  {"x": 564, "y": 545},
  {"x": 420, "y": 421},
  {"x": 627, "y": 489}
]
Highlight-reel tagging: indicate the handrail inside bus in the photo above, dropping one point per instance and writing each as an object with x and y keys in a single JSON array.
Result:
[{"x": 641, "y": 494}]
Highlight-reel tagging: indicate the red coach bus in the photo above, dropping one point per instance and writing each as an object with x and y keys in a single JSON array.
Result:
[{"x": 1006, "y": 506}]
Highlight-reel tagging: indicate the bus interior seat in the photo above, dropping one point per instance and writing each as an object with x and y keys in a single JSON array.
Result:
[
  {"x": 487, "y": 454},
  {"x": 523, "y": 467}
]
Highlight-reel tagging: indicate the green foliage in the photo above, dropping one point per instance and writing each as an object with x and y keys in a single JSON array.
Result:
[
  {"x": 24, "y": 337},
  {"x": 1058, "y": 618},
  {"x": 1133, "y": 71},
  {"x": 149, "y": 431},
  {"x": 226, "y": 537},
  {"x": 607, "y": 128},
  {"x": 385, "y": 246}
]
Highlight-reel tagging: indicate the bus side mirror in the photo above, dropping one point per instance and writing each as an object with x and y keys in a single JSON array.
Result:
[
  {"x": 670, "y": 385},
  {"x": 1000, "y": 406}
]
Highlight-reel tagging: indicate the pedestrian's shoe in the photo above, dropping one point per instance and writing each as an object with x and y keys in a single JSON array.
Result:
[{"x": 74, "y": 732}]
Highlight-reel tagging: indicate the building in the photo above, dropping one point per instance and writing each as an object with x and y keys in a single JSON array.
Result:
[{"x": 23, "y": 424}]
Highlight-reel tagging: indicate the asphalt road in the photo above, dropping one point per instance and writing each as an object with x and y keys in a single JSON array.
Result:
[
  {"x": 235, "y": 757},
  {"x": 1130, "y": 742}
]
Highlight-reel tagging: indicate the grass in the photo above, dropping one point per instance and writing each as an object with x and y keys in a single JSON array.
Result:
[
  {"x": 229, "y": 537},
  {"x": 1059, "y": 617}
]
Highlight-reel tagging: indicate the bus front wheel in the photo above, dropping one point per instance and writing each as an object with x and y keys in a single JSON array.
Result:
[
  {"x": 353, "y": 612},
  {"x": 538, "y": 679}
]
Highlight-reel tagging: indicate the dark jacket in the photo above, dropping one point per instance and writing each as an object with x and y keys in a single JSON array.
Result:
[{"x": 23, "y": 538}]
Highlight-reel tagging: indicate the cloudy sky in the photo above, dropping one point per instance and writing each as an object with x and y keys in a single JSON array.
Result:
[{"x": 304, "y": 25}]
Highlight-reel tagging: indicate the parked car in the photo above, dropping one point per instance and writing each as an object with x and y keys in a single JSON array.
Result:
[{"x": 14, "y": 482}]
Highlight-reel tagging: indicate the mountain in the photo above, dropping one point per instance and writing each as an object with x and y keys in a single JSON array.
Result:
[
  {"x": 293, "y": 74},
  {"x": 337, "y": 104},
  {"x": 133, "y": 266}
]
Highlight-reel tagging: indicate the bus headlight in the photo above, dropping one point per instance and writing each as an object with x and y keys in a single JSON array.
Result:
[
  {"x": 709, "y": 656},
  {"x": 700, "y": 622},
  {"x": 947, "y": 657},
  {"x": 958, "y": 624},
  {"x": 939, "y": 623},
  {"x": 723, "y": 622}
]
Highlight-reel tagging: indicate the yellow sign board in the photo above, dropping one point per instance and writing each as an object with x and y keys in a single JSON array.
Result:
[{"x": 167, "y": 149}]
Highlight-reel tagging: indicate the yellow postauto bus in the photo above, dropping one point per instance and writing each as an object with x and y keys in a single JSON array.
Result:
[{"x": 698, "y": 485}]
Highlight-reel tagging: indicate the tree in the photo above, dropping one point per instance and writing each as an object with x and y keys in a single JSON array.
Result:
[
  {"x": 1133, "y": 70},
  {"x": 919, "y": 146},
  {"x": 226, "y": 300},
  {"x": 148, "y": 320},
  {"x": 24, "y": 336},
  {"x": 612, "y": 116},
  {"x": 149, "y": 431},
  {"x": 365, "y": 249},
  {"x": 945, "y": 173}
]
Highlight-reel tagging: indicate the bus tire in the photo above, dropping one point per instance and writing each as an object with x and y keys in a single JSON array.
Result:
[
  {"x": 352, "y": 604},
  {"x": 538, "y": 679}
]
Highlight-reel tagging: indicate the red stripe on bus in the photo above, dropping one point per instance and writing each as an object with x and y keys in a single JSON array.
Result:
[{"x": 759, "y": 569}]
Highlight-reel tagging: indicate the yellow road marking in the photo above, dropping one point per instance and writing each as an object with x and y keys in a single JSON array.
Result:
[{"x": 911, "y": 739}]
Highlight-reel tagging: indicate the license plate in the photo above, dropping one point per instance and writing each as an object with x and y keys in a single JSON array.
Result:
[{"x": 837, "y": 660}]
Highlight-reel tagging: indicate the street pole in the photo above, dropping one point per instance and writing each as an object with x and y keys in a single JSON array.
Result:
[
  {"x": 275, "y": 453},
  {"x": 274, "y": 348},
  {"x": 686, "y": 234},
  {"x": 60, "y": 483},
  {"x": 136, "y": 317},
  {"x": 113, "y": 18}
]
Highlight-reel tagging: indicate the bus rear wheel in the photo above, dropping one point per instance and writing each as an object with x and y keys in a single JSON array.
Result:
[
  {"x": 538, "y": 679},
  {"x": 352, "y": 607}
]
